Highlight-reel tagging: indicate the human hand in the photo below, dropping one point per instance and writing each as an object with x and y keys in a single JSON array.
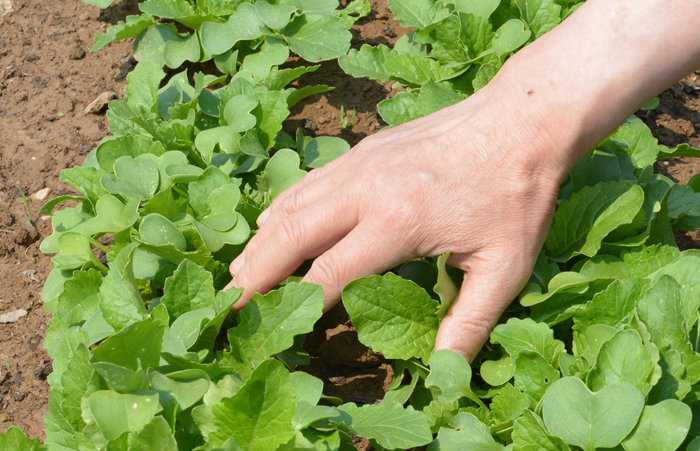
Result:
[{"x": 463, "y": 180}]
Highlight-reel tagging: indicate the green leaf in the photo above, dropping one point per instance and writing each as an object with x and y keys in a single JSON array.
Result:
[
  {"x": 660, "y": 309},
  {"x": 624, "y": 358},
  {"x": 237, "y": 112},
  {"x": 85, "y": 180},
  {"x": 497, "y": 372},
  {"x": 80, "y": 297},
  {"x": 468, "y": 434},
  {"x": 529, "y": 434},
  {"x": 101, "y": 3},
  {"x": 390, "y": 425},
  {"x": 662, "y": 427},
  {"x": 271, "y": 114},
  {"x": 132, "y": 177},
  {"x": 279, "y": 78},
  {"x": 581, "y": 223},
  {"x": 183, "y": 393},
  {"x": 611, "y": 305},
  {"x": 120, "y": 299},
  {"x": 110, "y": 150},
  {"x": 322, "y": 150},
  {"x": 435, "y": 96},
  {"x": 540, "y": 15},
  {"x": 367, "y": 62},
  {"x": 450, "y": 372},
  {"x": 134, "y": 347},
  {"x": 399, "y": 109},
  {"x": 510, "y": 37},
  {"x": 243, "y": 25},
  {"x": 155, "y": 435},
  {"x": 479, "y": 8},
  {"x": 170, "y": 9},
  {"x": 143, "y": 84},
  {"x": 272, "y": 53},
  {"x": 517, "y": 335},
  {"x": 591, "y": 420},
  {"x": 635, "y": 139},
  {"x": 316, "y": 38},
  {"x": 508, "y": 404},
  {"x": 158, "y": 230},
  {"x": 393, "y": 316},
  {"x": 131, "y": 28},
  {"x": 16, "y": 440},
  {"x": 269, "y": 323},
  {"x": 176, "y": 52},
  {"x": 533, "y": 375},
  {"x": 282, "y": 171},
  {"x": 414, "y": 70},
  {"x": 418, "y": 13},
  {"x": 259, "y": 415},
  {"x": 191, "y": 287},
  {"x": 188, "y": 326},
  {"x": 275, "y": 16},
  {"x": 115, "y": 414}
]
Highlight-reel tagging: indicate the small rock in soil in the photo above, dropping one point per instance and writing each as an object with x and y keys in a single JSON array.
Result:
[
  {"x": 33, "y": 57},
  {"x": 99, "y": 104},
  {"x": 41, "y": 194},
  {"x": 309, "y": 125},
  {"x": 31, "y": 274},
  {"x": 12, "y": 317},
  {"x": 83, "y": 16},
  {"x": 76, "y": 52}
]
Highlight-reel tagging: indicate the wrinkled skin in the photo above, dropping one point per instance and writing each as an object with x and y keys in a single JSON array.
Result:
[
  {"x": 448, "y": 182},
  {"x": 478, "y": 179}
]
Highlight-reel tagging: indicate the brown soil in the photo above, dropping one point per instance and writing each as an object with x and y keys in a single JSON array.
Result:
[{"x": 46, "y": 81}]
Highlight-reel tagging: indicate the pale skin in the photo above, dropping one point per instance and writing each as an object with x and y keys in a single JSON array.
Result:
[{"x": 478, "y": 179}]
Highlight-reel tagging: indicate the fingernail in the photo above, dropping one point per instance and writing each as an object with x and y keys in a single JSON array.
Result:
[
  {"x": 263, "y": 216},
  {"x": 237, "y": 263}
]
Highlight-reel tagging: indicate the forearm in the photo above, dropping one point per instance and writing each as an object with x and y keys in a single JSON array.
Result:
[{"x": 574, "y": 85}]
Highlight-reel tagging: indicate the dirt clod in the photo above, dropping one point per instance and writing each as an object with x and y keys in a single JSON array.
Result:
[
  {"x": 100, "y": 103},
  {"x": 76, "y": 52}
]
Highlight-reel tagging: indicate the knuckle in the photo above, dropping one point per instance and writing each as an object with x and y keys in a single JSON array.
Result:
[
  {"x": 292, "y": 229},
  {"x": 293, "y": 202},
  {"x": 475, "y": 326},
  {"x": 326, "y": 272}
]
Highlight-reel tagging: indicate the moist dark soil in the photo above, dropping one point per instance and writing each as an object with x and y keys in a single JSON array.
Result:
[{"x": 48, "y": 77}]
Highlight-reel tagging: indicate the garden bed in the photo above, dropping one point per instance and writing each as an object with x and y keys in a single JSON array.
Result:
[{"x": 46, "y": 82}]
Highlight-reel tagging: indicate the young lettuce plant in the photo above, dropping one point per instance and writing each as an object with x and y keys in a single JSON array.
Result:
[
  {"x": 457, "y": 48},
  {"x": 235, "y": 34},
  {"x": 600, "y": 351}
]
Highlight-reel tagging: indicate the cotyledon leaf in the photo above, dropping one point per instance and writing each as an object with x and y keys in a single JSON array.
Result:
[
  {"x": 591, "y": 420},
  {"x": 316, "y": 38},
  {"x": 662, "y": 427},
  {"x": 393, "y": 316},
  {"x": 244, "y": 24}
]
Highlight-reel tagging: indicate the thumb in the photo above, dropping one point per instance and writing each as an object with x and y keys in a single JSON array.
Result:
[{"x": 481, "y": 301}]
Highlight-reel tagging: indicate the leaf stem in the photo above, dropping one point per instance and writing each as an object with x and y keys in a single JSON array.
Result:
[{"x": 99, "y": 245}]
